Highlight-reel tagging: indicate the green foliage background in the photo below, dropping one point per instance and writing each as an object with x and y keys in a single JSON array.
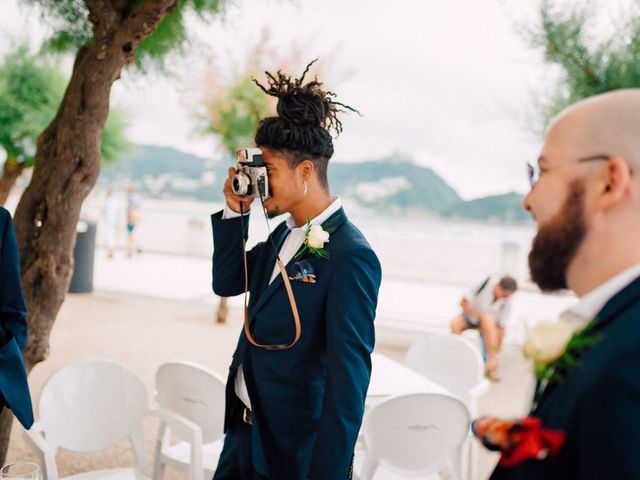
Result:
[
  {"x": 588, "y": 65},
  {"x": 71, "y": 29},
  {"x": 31, "y": 88}
]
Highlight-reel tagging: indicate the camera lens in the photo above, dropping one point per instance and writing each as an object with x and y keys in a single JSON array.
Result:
[{"x": 240, "y": 184}]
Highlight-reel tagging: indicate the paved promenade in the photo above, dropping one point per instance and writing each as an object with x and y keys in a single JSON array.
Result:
[{"x": 151, "y": 309}]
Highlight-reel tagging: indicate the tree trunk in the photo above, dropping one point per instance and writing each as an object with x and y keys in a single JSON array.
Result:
[
  {"x": 223, "y": 310},
  {"x": 6, "y": 420},
  {"x": 10, "y": 174},
  {"x": 67, "y": 167}
]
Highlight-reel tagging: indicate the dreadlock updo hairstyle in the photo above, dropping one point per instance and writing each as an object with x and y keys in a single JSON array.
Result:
[{"x": 306, "y": 114}]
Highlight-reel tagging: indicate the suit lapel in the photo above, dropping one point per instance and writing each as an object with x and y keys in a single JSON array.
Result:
[
  {"x": 619, "y": 303},
  {"x": 331, "y": 224},
  {"x": 612, "y": 310},
  {"x": 335, "y": 221}
]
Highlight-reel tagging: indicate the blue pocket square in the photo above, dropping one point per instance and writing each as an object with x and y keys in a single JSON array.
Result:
[{"x": 302, "y": 271}]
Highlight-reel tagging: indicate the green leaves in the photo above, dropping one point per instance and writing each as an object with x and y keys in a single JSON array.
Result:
[
  {"x": 234, "y": 112},
  {"x": 30, "y": 92},
  {"x": 31, "y": 89},
  {"x": 68, "y": 22},
  {"x": 588, "y": 66},
  {"x": 71, "y": 29},
  {"x": 579, "y": 343}
]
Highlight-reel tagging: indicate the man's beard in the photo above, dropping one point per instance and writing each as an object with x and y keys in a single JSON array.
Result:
[{"x": 557, "y": 242}]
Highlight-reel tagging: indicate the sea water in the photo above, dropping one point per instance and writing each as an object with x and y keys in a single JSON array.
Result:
[{"x": 428, "y": 263}]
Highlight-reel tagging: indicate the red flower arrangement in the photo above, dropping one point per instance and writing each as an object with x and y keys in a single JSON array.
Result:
[{"x": 518, "y": 440}]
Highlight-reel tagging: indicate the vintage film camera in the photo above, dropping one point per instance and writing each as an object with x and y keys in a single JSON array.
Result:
[{"x": 251, "y": 179}]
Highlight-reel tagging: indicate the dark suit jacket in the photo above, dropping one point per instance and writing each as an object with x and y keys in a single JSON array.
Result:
[
  {"x": 14, "y": 389},
  {"x": 597, "y": 405},
  {"x": 307, "y": 401}
]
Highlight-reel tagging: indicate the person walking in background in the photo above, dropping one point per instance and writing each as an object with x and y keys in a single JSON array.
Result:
[
  {"x": 133, "y": 218},
  {"x": 14, "y": 389},
  {"x": 487, "y": 307},
  {"x": 295, "y": 396},
  {"x": 111, "y": 215},
  {"x": 585, "y": 197}
]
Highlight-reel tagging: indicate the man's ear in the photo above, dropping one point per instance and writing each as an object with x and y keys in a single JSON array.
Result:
[
  {"x": 615, "y": 182},
  {"x": 306, "y": 169}
]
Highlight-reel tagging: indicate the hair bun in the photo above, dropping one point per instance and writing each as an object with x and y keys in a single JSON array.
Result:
[
  {"x": 304, "y": 104},
  {"x": 303, "y": 109}
]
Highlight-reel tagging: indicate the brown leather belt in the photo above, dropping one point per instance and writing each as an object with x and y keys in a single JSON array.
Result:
[{"x": 247, "y": 417}]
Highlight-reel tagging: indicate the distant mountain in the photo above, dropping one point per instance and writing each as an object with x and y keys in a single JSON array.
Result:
[
  {"x": 164, "y": 172},
  {"x": 506, "y": 207},
  {"x": 392, "y": 185}
]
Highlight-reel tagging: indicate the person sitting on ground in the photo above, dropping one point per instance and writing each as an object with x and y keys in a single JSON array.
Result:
[{"x": 487, "y": 307}]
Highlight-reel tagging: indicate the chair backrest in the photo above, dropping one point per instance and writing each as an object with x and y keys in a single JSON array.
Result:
[
  {"x": 419, "y": 433},
  {"x": 450, "y": 360},
  {"x": 195, "y": 392},
  {"x": 92, "y": 404}
]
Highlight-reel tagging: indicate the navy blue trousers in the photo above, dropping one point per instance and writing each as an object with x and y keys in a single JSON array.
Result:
[{"x": 236, "y": 461}]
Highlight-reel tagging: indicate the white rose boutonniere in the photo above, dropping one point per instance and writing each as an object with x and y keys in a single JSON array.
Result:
[
  {"x": 317, "y": 237},
  {"x": 555, "y": 349},
  {"x": 547, "y": 341},
  {"x": 314, "y": 240}
]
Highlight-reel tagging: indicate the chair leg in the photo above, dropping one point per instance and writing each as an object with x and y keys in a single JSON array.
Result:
[
  {"x": 473, "y": 459},
  {"x": 458, "y": 465},
  {"x": 368, "y": 468},
  {"x": 159, "y": 471},
  {"x": 158, "y": 464}
]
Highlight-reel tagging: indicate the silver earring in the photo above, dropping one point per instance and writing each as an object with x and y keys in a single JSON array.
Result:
[{"x": 305, "y": 188}]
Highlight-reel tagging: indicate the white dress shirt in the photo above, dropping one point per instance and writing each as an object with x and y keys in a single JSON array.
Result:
[
  {"x": 291, "y": 245},
  {"x": 591, "y": 303}
]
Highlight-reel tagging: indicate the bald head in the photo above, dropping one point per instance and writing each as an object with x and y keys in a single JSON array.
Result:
[
  {"x": 587, "y": 198},
  {"x": 607, "y": 124}
]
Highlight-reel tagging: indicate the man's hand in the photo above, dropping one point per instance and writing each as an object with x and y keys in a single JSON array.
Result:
[
  {"x": 234, "y": 201},
  {"x": 468, "y": 309}
]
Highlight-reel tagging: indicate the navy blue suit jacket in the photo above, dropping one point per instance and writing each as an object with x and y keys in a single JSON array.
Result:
[
  {"x": 597, "y": 405},
  {"x": 307, "y": 401},
  {"x": 14, "y": 389}
]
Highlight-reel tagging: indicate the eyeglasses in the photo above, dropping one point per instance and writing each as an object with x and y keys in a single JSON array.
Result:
[{"x": 534, "y": 170}]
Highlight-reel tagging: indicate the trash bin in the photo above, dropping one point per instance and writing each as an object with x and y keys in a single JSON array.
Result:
[{"x": 83, "y": 253}]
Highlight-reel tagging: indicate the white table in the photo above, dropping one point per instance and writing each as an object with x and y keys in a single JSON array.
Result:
[{"x": 389, "y": 377}]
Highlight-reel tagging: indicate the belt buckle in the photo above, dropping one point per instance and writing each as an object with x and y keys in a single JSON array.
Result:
[{"x": 246, "y": 416}]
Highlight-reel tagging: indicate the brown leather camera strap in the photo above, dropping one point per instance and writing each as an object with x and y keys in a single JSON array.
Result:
[{"x": 292, "y": 301}]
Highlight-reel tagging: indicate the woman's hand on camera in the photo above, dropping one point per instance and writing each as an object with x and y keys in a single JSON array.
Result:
[{"x": 234, "y": 201}]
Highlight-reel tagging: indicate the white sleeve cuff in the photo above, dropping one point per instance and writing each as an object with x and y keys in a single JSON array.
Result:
[{"x": 227, "y": 213}]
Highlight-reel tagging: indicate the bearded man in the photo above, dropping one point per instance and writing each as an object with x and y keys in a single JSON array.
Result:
[{"x": 585, "y": 198}]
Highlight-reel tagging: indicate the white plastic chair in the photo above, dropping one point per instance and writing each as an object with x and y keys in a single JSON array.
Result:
[
  {"x": 89, "y": 406},
  {"x": 455, "y": 363},
  {"x": 416, "y": 434},
  {"x": 196, "y": 394}
]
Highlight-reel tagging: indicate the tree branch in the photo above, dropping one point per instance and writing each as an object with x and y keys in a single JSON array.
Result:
[
  {"x": 144, "y": 19},
  {"x": 101, "y": 14}
]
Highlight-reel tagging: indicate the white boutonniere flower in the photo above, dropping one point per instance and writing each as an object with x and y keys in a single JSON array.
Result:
[
  {"x": 314, "y": 240},
  {"x": 317, "y": 237},
  {"x": 556, "y": 349},
  {"x": 547, "y": 341}
]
